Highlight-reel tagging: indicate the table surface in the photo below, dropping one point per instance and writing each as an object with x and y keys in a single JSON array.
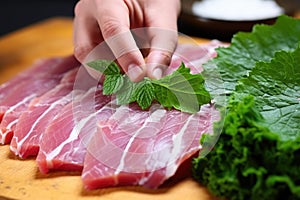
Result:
[{"x": 20, "y": 179}]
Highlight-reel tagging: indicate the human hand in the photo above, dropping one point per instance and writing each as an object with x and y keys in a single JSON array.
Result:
[{"x": 100, "y": 20}]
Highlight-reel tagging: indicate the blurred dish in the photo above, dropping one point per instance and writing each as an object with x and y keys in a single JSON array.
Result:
[{"x": 221, "y": 19}]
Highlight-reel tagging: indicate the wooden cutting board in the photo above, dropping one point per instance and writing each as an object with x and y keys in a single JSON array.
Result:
[{"x": 20, "y": 179}]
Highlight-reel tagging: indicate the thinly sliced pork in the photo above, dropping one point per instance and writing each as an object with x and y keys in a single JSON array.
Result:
[
  {"x": 113, "y": 145},
  {"x": 63, "y": 145},
  {"x": 144, "y": 147},
  {"x": 34, "y": 120},
  {"x": 8, "y": 87},
  {"x": 45, "y": 76}
]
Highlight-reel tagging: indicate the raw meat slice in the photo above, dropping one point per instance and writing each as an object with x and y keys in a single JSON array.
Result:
[
  {"x": 63, "y": 145},
  {"x": 34, "y": 120},
  {"x": 8, "y": 87},
  {"x": 48, "y": 75},
  {"x": 60, "y": 146},
  {"x": 60, "y": 128},
  {"x": 193, "y": 56},
  {"x": 144, "y": 147},
  {"x": 138, "y": 147},
  {"x": 55, "y": 152}
]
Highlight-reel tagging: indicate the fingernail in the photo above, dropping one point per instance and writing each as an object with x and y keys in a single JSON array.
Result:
[
  {"x": 157, "y": 73},
  {"x": 135, "y": 73}
]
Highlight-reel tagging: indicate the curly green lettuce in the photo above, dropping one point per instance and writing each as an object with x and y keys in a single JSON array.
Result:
[{"x": 249, "y": 161}]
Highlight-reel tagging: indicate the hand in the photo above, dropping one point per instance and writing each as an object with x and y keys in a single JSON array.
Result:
[{"x": 100, "y": 20}]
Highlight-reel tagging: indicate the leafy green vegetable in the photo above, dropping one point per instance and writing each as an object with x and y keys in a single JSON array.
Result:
[
  {"x": 258, "y": 151},
  {"x": 276, "y": 87},
  {"x": 246, "y": 49},
  {"x": 112, "y": 84},
  {"x": 249, "y": 161},
  {"x": 106, "y": 67},
  {"x": 126, "y": 92},
  {"x": 180, "y": 90},
  {"x": 144, "y": 93}
]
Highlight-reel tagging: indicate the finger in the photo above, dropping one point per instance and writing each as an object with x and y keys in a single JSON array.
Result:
[
  {"x": 115, "y": 28},
  {"x": 163, "y": 35},
  {"x": 163, "y": 44},
  {"x": 128, "y": 55},
  {"x": 86, "y": 31}
]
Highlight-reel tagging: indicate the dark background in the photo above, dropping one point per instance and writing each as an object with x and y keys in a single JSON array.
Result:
[{"x": 15, "y": 14}]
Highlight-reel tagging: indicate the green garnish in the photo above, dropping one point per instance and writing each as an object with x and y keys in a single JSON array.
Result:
[
  {"x": 258, "y": 152},
  {"x": 180, "y": 90},
  {"x": 249, "y": 161}
]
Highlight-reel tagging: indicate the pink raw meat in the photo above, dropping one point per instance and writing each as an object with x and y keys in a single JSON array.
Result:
[
  {"x": 193, "y": 56},
  {"x": 144, "y": 147},
  {"x": 7, "y": 87},
  {"x": 45, "y": 76},
  {"x": 34, "y": 120},
  {"x": 63, "y": 145}
]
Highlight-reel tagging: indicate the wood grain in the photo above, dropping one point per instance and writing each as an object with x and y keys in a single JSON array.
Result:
[{"x": 20, "y": 179}]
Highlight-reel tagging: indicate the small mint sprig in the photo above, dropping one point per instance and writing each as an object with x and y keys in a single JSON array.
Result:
[{"x": 180, "y": 90}]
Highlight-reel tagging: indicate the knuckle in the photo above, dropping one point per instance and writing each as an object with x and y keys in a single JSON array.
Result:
[
  {"x": 166, "y": 55},
  {"x": 110, "y": 27}
]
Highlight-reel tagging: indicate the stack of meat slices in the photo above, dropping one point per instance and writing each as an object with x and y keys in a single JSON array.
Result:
[{"x": 72, "y": 128}]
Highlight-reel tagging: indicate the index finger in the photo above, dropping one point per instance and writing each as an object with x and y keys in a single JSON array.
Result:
[
  {"x": 115, "y": 27},
  {"x": 163, "y": 34}
]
